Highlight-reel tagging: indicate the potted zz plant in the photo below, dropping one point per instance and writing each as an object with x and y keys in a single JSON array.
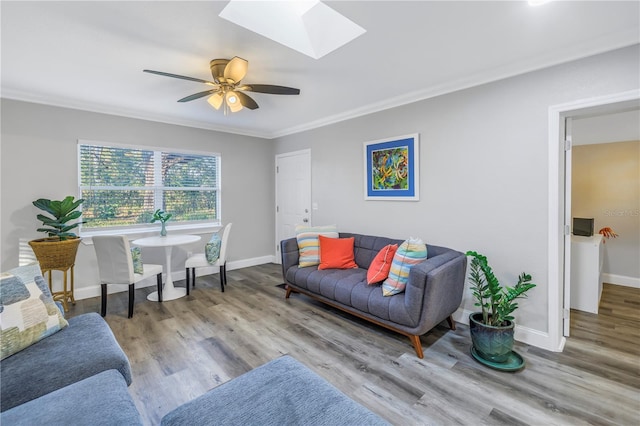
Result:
[{"x": 492, "y": 328}]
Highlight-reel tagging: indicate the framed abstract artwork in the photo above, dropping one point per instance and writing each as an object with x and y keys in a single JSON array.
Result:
[{"x": 391, "y": 169}]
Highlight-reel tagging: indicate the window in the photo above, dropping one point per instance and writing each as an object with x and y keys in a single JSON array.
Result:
[{"x": 123, "y": 186}]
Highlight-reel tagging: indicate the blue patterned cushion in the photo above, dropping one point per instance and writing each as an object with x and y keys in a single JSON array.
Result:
[
  {"x": 309, "y": 245},
  {"x": 28, "y": 313},
  {"x": 212, "y": 249},
  {"x": 410, "y": 252},
  {"x": 136, "y": 255}
]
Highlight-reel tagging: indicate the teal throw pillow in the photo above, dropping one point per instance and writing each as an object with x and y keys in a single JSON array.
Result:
[
  {"x": 212, "y": 249},
  {"x": 136, "y": 256}
]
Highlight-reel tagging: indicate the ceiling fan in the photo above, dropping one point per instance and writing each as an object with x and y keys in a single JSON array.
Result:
[{"x": 227, "y": 90}]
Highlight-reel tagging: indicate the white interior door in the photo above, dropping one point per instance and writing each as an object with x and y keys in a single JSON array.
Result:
[
  {"x": 293, "y": 194},
  {"x": 566, "y": 311}
]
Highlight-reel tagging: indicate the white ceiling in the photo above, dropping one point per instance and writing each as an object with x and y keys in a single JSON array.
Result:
[{"x": 90, "y": 55}]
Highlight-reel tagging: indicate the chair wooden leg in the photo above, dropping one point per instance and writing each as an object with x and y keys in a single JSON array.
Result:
[
  {"x": 131, "y": 298},
  {"x": 452, "y": 324},
  {"x": 103, "y": 301},
  {"x": 188, "y": 277},
  {"x": 222, "y": 278},
  {"x": 193, "y": 277},
  {"x": 159, "y": 281}
]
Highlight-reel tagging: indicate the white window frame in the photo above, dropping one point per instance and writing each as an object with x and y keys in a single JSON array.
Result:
[{"x": 140, "y": 230}]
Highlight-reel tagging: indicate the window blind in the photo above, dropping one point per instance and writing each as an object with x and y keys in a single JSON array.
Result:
[{"x": 124, "y": 186}]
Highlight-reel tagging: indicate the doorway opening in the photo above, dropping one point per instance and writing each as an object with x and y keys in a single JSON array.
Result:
[{"x": 559, "y": 236}]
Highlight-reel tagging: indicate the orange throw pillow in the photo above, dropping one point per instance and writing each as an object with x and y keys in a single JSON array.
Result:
[
  {"x": 336, "y": 253},
  {"x": 381, "y": 264}
]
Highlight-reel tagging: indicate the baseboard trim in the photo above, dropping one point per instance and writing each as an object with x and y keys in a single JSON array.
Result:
[
  {"x": 621, "y": 280},
  {"x": 177, "y": 275},
  {"x": 530, "y": 336}
]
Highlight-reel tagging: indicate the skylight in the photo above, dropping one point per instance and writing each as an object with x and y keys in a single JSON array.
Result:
[{"x": 308, "y": 26}]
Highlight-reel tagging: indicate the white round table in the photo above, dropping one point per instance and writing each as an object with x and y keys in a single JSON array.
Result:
[{"x": 169, "y": 292}]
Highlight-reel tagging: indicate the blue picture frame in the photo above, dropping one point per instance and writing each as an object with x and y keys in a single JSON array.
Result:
[{"x": 392, "y": 168}]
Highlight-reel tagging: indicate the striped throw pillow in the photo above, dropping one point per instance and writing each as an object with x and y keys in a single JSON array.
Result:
[
  {"x": 410, "y": 252},
  {"x": 308, "y": 244}
]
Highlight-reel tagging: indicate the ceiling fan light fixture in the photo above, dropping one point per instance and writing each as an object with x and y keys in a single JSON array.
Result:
[
  {"x": 215, "y": 100},
  {"x": 233, "y": 101}
]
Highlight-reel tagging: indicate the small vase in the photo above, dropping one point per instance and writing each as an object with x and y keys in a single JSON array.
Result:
[{"x": 163, "y": 230}]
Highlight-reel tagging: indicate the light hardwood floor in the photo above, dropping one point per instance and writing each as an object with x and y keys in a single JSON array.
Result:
[{"x": 180, "y": 349}]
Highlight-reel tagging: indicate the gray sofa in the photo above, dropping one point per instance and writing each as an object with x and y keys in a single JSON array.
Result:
[
  {"x": 78, "y": 375},
  {"x": 281, "y": 392},
  {"x": 433, "y": 293}
]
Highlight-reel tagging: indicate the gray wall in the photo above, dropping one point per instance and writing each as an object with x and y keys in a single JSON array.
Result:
[
  {"x": 483, "y": 168},
  {"x": 39, "y": 159}
]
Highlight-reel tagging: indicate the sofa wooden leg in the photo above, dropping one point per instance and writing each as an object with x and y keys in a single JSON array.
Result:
[
  {"x": 289, "y": 291},
  {"x": 452, "y": 323},
  {"x": 417, "y": 345},
  {"x": 103, "y": 302}
]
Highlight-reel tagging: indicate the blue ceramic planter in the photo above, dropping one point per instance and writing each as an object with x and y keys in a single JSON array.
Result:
[{"x": 493, "y": 343}]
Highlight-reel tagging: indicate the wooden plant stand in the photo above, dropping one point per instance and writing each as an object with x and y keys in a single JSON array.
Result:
[{"x": 55, "y": 255}]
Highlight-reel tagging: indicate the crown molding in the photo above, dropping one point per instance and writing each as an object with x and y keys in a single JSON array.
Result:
[
  {"x": 127, "y": 113},
  {"x": 525, "y": 66}
]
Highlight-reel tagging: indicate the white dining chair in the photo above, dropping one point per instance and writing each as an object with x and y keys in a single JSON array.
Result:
[
  {"x": 26, "y": 256},
  {"x": 199, "y": 260},
  {"x": 115, "y": 266}
]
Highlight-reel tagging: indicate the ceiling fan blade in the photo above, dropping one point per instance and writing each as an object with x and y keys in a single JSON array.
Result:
[
  {"x": 269, "y": 88},
  {"x": 247, "y": 101},
  {"x": 236, "y": 69},
  {"x": 197, "y": 95},
  {"x": 166, "y": 74}
]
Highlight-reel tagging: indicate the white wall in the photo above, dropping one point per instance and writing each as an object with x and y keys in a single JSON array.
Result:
[
  {"x": 39, "y": 160},
  {"x": 483, "y": 169}
]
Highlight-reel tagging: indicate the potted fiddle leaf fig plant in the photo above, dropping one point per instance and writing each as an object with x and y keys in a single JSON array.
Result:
[
  {"x": 58, "y": 250},
  {"x": 163, "y": 217},
  {"x": 63, "y": 212},
  {"x": 492, "y": 327}
]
